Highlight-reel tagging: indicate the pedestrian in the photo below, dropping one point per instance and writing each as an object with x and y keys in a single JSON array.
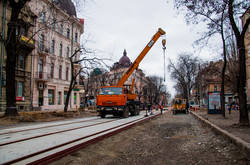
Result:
[
  {"x": 229, "y": 106},
  {"x": 187, "y": 107},
  {"x": 161, "y": 108},
  {"x": 149, "y": 106}
]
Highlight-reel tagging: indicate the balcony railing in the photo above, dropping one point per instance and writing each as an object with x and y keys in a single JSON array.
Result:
[
  {"x": 25, "y": 44},
  {"x": 43, "y": 76},
  {"x": 42, "y": 49}
]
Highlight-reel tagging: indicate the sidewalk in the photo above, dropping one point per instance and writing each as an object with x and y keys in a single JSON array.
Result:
[{"x": 227, "y": 127}]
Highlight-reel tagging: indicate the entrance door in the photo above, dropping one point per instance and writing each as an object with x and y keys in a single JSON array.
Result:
[{"x": 40, "y": 98}]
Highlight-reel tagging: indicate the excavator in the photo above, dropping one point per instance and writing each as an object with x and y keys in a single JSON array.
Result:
[{"x": 119, "y": 100}]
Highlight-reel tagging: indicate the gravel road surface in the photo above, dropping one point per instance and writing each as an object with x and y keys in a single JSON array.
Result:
[{"x": 167, "y": 139}]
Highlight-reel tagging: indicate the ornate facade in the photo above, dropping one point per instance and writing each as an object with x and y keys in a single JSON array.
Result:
[{"x": 58, "y": 38}]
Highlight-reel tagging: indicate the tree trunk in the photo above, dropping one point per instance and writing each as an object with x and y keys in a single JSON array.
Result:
[
  {"x": 224, "y": 67},
  {"x": 244, "y": 119},
  {"x": 11, "y": 49},
  {"x": 11, "y": 109}
]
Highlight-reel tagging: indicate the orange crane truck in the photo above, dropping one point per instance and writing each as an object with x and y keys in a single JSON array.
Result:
[{"x": 119, "y": 100}]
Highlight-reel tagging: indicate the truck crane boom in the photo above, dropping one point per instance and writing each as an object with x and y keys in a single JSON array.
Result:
[
  {"x": 136, "y": 63},
  {"x": 119, "y": 100}
]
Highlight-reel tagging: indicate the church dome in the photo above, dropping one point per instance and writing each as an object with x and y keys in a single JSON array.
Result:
[
  {"x": 68, "y": 6},
  {"x": 124, "y": 60}
]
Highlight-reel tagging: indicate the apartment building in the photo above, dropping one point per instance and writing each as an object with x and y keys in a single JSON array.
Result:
[
  {"x": 209, "y": 80},
  {"x": 23, "y": 55},
  {"x": 244, "y": 17},
  {"x": 58, "y": 32}
]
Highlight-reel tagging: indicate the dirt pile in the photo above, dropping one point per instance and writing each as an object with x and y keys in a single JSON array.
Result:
[{"x": 37, "y": 116}]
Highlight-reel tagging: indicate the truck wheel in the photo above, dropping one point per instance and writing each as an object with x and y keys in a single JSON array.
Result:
[
  {"x": 102, "y": 114},
  {"x": 125, "y": 112},
  {"x": 132, "y": 110}
]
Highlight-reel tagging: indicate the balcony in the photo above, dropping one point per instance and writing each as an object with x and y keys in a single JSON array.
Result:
[
  {"x": 25, "y": 45},
  {"x": 43, "y": 50},
  {"x": 43, "y": 76}
]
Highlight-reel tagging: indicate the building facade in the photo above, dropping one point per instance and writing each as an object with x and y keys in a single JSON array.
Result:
[
  {"x": 23, "y": 55},
  {"x": 209, "y": 80},
  {"x": 58, "y": 32},
  {"x": 244, "y": 17}
]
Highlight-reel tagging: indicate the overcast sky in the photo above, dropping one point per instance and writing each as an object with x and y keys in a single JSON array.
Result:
[{"x": 115, "y": 25}]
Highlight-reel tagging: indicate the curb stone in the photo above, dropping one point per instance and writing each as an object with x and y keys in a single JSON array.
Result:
[{"x": 241, "y": 144}]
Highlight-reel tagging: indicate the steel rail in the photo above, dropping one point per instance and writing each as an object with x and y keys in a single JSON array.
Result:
[
  {"x": 62, "y": 153},
  {"x": 52, "y": 133},
  {"x": 47, "y": 126}
]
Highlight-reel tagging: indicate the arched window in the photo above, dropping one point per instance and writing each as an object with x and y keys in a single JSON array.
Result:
[
  {"x": 60, "y": 50},
  {"x": 60, "y": 71},
  {"x": 68, "y": 33},
  {"x": 67, "y": 52},
  {"x": 41, "y": 41},
  {"x": 61, "y": 29},
  {"x": 42, "y": 17},
  {"x": 53, "y": 25},
  {"x": 52, "y": 50}
]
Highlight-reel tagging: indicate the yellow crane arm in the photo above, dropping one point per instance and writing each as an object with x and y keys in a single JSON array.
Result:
[{"x": 135, "y": 64}]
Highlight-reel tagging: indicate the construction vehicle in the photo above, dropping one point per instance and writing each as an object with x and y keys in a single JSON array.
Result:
[
  {"x": 119, "y": 100},
  {"x": 179, "y": 105}
]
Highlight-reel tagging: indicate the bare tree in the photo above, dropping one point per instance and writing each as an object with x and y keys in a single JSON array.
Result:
[
  {"x": 215, "y": 14},
  {"x": 154, "y": 89},
  {"x": 85, "y": 62},
  {"x": 184, "y": 73}
]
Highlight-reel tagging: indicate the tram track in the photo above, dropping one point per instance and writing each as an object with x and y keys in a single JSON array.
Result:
[
  {"x": 30, "y": 129},
  {"x": 60, "y": 149},
  {"x": 47, "y": 134}
]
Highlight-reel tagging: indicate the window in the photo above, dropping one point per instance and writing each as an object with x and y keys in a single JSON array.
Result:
[
  {"x": 67, "y": 73},
  {"x": 42, "y": 19},
  {"x": 23, "y": 31},
  {"x": 41, "y": 41},
  {"x": 60, "y": 50},
  {"x": 68, "y": 33},
  {"x": 215, "y": 88},
  {"x": 59, "y": 98},
  {"x": 67, "y": 52},
  {"x": 53, "y": 25},
  {"x": 40, "y": 69},
  {"x": 21, "y": 61},
  {"x": 52, "y": 47},
  {"x": 60, "y": 72},
  {"x": 76, "y": 37},
  {"x": 61, "y": 29},
  {"x": 52, "y": 70},
  {"x": 20, "y": 89},
  {"x": 51, "y": 96}
]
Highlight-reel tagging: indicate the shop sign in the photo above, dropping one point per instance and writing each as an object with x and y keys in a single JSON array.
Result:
[{"x": 19, "y": 98}]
